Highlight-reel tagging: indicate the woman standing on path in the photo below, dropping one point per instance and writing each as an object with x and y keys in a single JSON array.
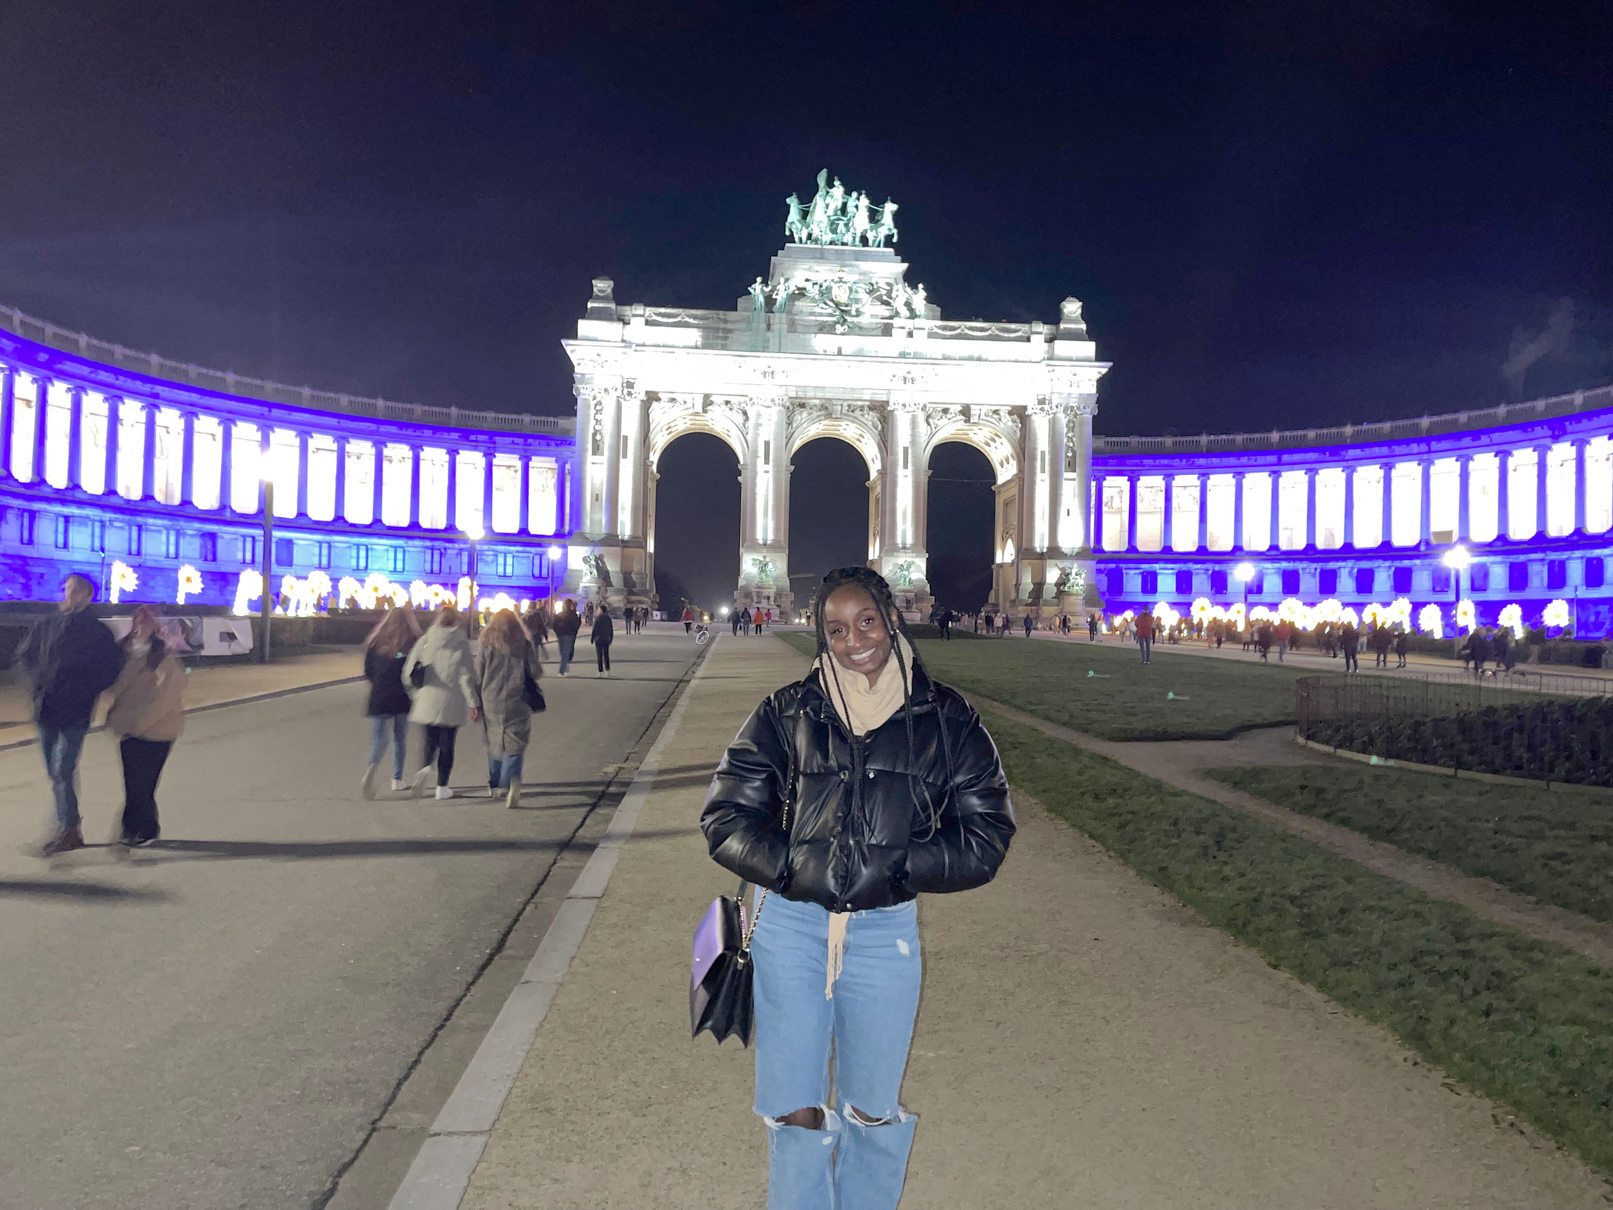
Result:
[
  {"x": 384, "y": 654},
  {"x": 147, "y": 714},
  {"x": 445, "y": 697},
  {"x": 601, "y": 635},
  {"x": 847, "y": 794},
  {"x": 505, "y": 658}
]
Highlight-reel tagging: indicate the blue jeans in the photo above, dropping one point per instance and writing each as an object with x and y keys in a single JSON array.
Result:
[
  {"x": 568, "y": 647},
  {"x": 867, "y": 1026},
  {"x": 502, "y": 771},
  {"x": 60, "y": 747},
  {"x": 400, "y": 740}
]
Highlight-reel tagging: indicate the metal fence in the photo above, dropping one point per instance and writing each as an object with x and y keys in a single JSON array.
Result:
[{"x": 1554, "y": 728}]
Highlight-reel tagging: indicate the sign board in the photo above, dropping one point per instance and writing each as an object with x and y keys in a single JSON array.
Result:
[{"x": 197, "y": 636}]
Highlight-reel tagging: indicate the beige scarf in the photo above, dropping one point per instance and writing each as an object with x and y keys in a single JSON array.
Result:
[{"x": 863, "y": 708}]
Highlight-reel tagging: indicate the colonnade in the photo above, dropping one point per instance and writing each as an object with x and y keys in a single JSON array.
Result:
[{"x": 68, "y": 437}]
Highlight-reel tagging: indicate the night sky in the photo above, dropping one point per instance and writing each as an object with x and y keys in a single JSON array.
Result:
[{"x": 1275, "y": 214}]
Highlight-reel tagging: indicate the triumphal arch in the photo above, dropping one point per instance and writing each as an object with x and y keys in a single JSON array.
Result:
[{"x": 835, "y": 342}]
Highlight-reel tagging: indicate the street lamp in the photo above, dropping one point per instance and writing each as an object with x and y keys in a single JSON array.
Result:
[
  {"x": 475, "y": 534},
  {"x": 1457, "y": 559},
  {"x": 265, "y": 600},
  {"x": 1243, "y": 573}
]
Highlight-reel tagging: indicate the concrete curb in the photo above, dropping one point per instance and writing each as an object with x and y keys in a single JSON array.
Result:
[
  {"x": 442, "y": 1170},
  {"x": 234, "y": 701}
]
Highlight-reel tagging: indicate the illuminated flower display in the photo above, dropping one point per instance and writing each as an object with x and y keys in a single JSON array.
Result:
[{"x": 190, "y": 584}]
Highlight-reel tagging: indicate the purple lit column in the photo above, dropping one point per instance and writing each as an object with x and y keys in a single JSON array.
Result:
[
  {"x": 302, "y": 473},
  {"x": 1503, "y": 465},
  {"x": 7, "y": 378},
  {"x": 1579, "y": 485},
  {"x": 1204, "y": 513},
  {"x": 264, "y": 466},
  {"x": 1349, "y": 507},
  {"x": 1168, "y": 515},
  {"x": 522, "y": 517},
  {"x": 41, "y": 426},
  {"x": 114, "y": 428},
  {"x": 148, "y": 456},
  {"x": 1310, "y": 508},
  {"x": 1237, "y": 510},
  {"x": 1425, "y": 495},
  {"x": 187, "y": 460},
  {"x": 1131, "y": 512},
  {"x": 452, "y": 511},
  {"x": 1542, "y": 460},
  {"x": 414, "y": 486},
  {"x": 226, "y": 465},
  {"x": 1274, "y": 536},
  {"x": 487, "y": 492},
  {"x": 75, "y": 436},
  {"x": 1464, "y": 472},
  {"x": 378, "y": 480},
  {"x": 1387, "y": 538},
  {"x": 339, "y": 507}
]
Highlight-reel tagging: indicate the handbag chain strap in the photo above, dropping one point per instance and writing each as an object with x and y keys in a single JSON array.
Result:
[{"x": 789, "y": 800}]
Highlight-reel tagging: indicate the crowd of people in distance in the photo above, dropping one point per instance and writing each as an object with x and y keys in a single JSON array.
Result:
[
  {"x": 743, "y": 621},
  {"x": 437, "y": 677}
]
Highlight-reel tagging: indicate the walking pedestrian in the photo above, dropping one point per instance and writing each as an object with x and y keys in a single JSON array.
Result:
[
  {"x": 1263, "y": 642},
  {"x": 1145, "y": 635},
  {"x": 1501, "y": 642},
  {"x": 767, "y": 618},
  {"x": 147, "y": 713},
  {"x": 385, "y": 651},
  {"x": 566, "y": 626},
  {"x": 444, "y": 696},
  {"x": 943, "y": 619},
  {"x": 68, "y": 660},
  {"x": 1092, "y": 628},
  {"x": 844, "y": 796},
  {"x": 1379, "y": 641},
  {"x": 1400, "y": 647},
  {"x": 1006, "y": 625},
  {"x": 688, "y": 619},
  {"x": 756, "y": 621},
  {"x": 1350, "y": 640},
  {"x": 733, "y": 620},
  {"x": 1030, "y": 624},
  {"x": 1478, "y": 646},
  {"x": 600, "y": 636},
  {"x": 506, "y": 662}
]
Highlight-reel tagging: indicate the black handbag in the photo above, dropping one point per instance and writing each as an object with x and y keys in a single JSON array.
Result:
[
  {"x": 720, "y": 997},
  {"x": 417, "y": 676},
  {"x": 531, "y": 694}
]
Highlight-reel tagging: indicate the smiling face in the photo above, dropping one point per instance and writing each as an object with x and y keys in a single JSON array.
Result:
[{"x": 859, "y": 639}]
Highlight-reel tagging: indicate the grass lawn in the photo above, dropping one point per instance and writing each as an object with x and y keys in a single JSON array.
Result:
[
  {"x": 1215, "y": 699},
  {"x": 1527, "y": 1023},
  {"x": 1556, "y": 847}
]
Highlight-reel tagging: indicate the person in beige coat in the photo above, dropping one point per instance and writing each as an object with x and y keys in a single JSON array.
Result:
[
  {"x": 147, "y": 714},
  {"x": 445, "y": 698},
  {"x": 505, "y": 658}
]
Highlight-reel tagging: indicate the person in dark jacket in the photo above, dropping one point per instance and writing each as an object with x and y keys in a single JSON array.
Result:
[
  {"x": 604, "y": 630},
  {"x": 68, "y": 660},
  {"x": 1350, "y": 642},
  {"x": 566, "y": 626},
  {"x": 1400, "y": 646},
  {"x": 845, "y": 796},
  {"x": 385, "y": 651}
]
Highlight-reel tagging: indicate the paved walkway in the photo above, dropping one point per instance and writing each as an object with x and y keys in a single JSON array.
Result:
[
  {"x": 1084, "y": 1040},
  {"x": 213, "y": 685}
]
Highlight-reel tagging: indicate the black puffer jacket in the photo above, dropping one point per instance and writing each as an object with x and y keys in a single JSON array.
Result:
[{"x": 860, "y": 835}]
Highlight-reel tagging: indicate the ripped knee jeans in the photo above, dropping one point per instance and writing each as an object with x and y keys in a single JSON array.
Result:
[{"x": 844, "y": 1054}]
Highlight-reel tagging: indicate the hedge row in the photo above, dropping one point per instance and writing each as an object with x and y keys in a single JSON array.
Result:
[{"x": 1567, "y": 740}]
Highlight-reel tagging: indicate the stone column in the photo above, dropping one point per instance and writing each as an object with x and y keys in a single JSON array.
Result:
[
  {"x": 8, "y": 380},
  {"x": 42, "y": 430},
  {"x": 1579, "y": 485},
  {"x": 1464, "y": 473},
  {"x": 1057, "y": 468},
  {"x": 226, "y": 459},
  {"x": 302, "y": 473},
  {"x": 523, "y": 519},
  {"x": 339, "y": 508},
  {"x": 414, "y": 491},
  {"x": 610, "y": 495},
  {"x": 1167, "y": 518},
  {"x": 451, "y": 510},
  {"x": 187, "y": 458},
  {"x": 1131, "y": 513},
  {"x": 378, "y": 479},
  {"x": 630, "y": 466},
  {"x": 1276, "y": 534},
  {"x": 148, "y": 459},
  {"x": 1349, "y": 507},
  {"x": 1503, "y": 491},
  {"x": 263, "y": 463},
  {"x": 1387, "y": 515},
  {"x": 487, "y": 490},
  {"x": 1310, "y": 508},
  {"x": 1088, "y": 530},
  {"x": 1542, "y": 459},
  {"x": 75, "y": 436},
  {"x": 1238, "y": 537},
  {"x": 1425, "y": 493},
  {"x": 1204, "y": 513}
]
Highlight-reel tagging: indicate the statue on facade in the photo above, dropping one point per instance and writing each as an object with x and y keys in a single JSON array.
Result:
[
  {"x": 885, "y": 227},
  {"x": 794, "y": 225},
  {"x": 1072, "y": 581},
  {"x": 902, "y": 574},
  {"x": 597, "y": 568},
  {"x": 763, "y": 567},
  {"x": 758, "y": 296},
  {"x": 841, "y": 218}
]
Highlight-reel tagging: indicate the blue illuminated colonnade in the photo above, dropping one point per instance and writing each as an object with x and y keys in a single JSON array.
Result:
[
  {"x": 1365, "y": 515},
  {"x": 111, "y": 457}
]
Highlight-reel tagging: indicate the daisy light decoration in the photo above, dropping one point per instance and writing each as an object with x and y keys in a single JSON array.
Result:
[
  {"x": 190, "y": 583},
  {"x": 122, "y": 580},
  {"x": 1511, "y": 617},
  {"x": 1431, "y": 621},
  {"x": 1556, "y": 614}
]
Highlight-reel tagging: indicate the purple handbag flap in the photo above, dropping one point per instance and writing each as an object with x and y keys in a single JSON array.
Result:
[{"x": 713, "y": 936}]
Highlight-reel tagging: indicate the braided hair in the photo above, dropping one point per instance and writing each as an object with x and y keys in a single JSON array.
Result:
[{"x": 874, "y": 585}]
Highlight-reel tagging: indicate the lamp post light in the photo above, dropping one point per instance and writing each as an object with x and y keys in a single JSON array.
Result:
[
  {"x": 475, "y": 534},
  {"x": 1457, "y": 559},
  {"x": 1244, "y": 572},
  {"x": 265, "y": 599}
]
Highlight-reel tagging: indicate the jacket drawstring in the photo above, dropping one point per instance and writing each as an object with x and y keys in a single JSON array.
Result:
[{"x": 837, "y": 951}]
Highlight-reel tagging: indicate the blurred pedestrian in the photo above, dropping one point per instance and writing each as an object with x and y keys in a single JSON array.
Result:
[
  {"x": 147, "y": 713},
  {"x": 1030, "y": 624},
  {"x": 600, "y": 636},
  {"x": 757, "y": 620},
  {"x": 1379, "y": 641},
  {"x": 688, "y": 619},
  {"x": 385, "y": 651},
  {"x": 69, "y": 659},
  {"x": 734, "y": 615},
  {"x": 566, "y": 626},
  {"x": 440, "y": 675},
  {"x": 1145, "y": 635},
  {"x": 1350, "y": 640},
  {"x": 1401, "y": 643},
  {"x": 506, "y": 662}
]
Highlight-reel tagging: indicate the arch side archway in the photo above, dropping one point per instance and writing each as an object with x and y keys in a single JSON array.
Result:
[
  {"x": 863, "y": 438},
  {"x": 671, "y": 417}
]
